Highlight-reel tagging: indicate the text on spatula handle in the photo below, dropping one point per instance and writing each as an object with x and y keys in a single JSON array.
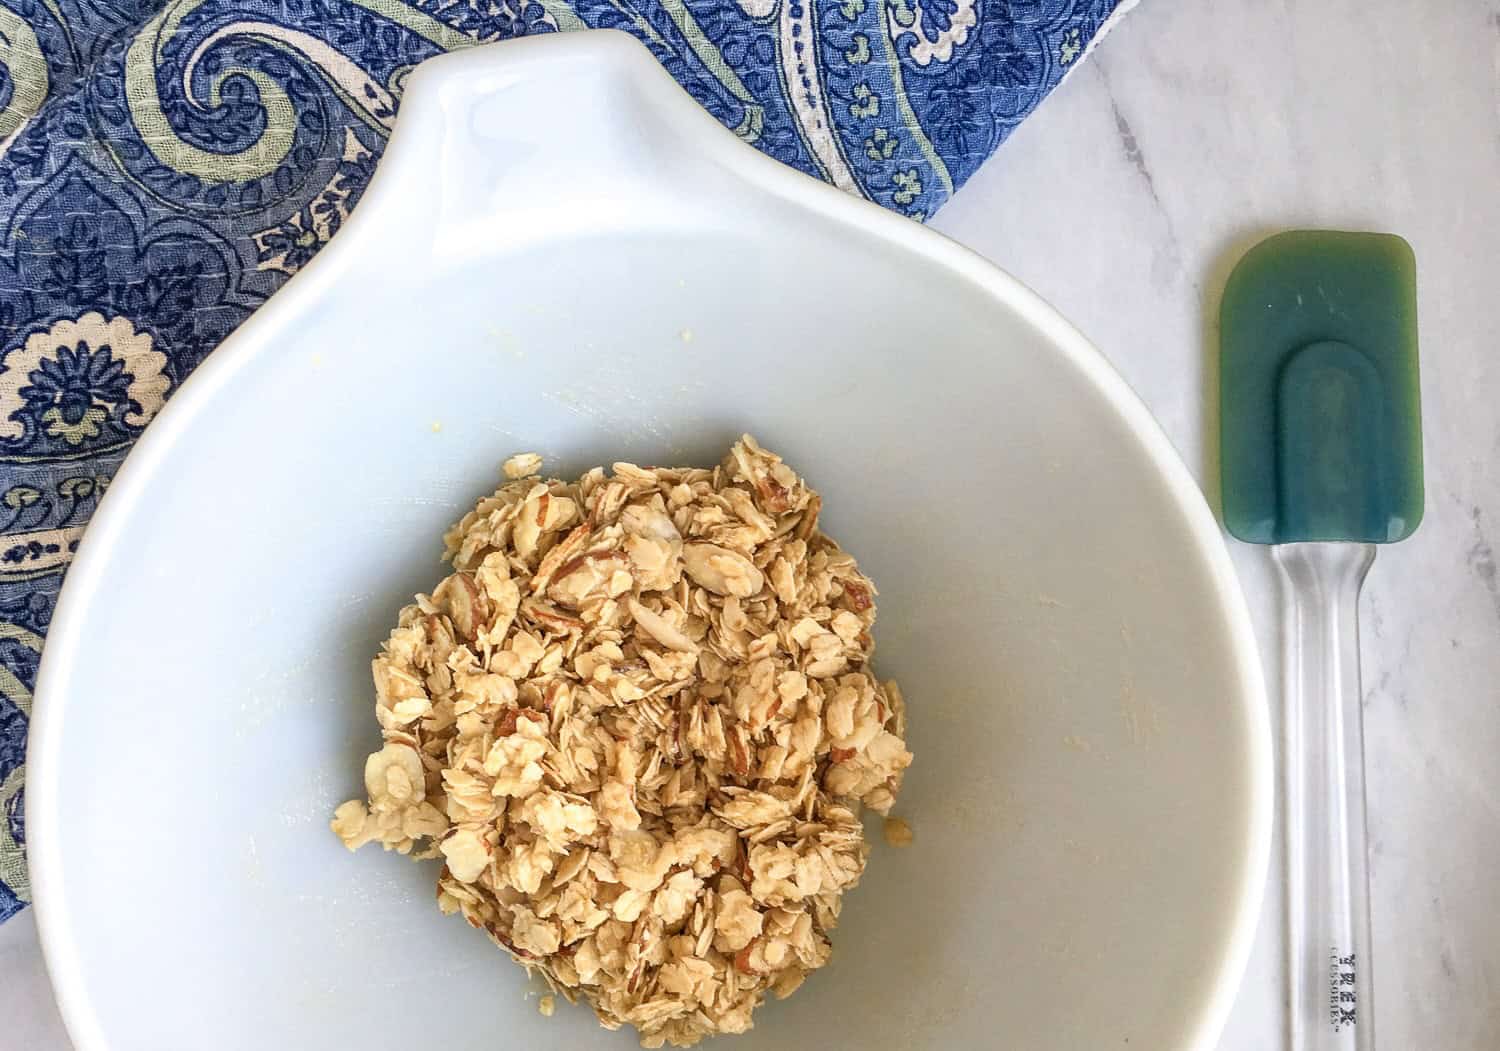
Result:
[{"x": 1341, "y": 997}]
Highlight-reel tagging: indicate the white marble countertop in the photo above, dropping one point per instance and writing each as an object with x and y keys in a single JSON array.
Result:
[{"x": 1194, "y": 129}]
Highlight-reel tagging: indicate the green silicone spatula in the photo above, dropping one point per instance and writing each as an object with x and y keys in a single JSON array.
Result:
[{"x": 1322, "y": 459}]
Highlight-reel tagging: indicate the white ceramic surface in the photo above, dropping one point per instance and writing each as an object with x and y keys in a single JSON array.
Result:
[{"x": 1092, "y": 790}]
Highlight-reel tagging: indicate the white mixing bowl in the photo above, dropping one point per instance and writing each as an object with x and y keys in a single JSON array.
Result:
[{"x": 562, "y": 253}]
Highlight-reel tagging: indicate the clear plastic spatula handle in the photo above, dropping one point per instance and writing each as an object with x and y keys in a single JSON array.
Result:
[{"x": 1328, "y": 906}]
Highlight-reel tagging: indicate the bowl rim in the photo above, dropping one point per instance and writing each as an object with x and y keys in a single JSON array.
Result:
[{"x": 429, "y": 91}]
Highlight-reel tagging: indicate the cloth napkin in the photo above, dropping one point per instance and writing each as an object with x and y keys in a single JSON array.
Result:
[{"x": 167, "y": 166}]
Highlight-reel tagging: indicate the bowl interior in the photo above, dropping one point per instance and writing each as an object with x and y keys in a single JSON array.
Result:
[{"x": 1083, "y": 789}]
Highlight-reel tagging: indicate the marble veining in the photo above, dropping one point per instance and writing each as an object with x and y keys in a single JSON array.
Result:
[{"x": 1211, "y": 125}]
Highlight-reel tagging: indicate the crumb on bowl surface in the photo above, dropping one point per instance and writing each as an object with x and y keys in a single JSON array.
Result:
[
  {"x": 897, "y": 832},
  {"x": 639, "y": 723}
]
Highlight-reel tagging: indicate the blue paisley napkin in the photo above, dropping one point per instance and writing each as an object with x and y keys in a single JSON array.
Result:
[{"x": 167, "y": 166}]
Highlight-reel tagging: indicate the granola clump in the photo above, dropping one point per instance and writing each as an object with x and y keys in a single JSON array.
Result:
[{"x": 638, "y": 722}]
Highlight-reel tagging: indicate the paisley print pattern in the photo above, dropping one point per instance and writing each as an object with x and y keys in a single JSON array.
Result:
[{"x": 165, "y": 165}]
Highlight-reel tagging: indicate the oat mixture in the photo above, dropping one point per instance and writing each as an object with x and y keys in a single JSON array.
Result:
[{"x": 639, "y": 723}]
